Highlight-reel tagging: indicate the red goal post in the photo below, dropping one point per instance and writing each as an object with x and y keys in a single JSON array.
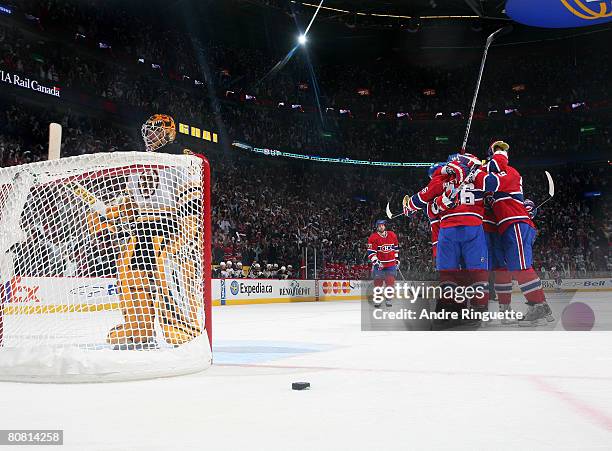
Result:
[{"x": 207, "y": 247}]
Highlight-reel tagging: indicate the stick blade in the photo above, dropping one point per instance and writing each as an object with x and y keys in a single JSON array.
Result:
[
  {"x": 551, "y": 184},
  {"x": 388, "y": 211}
]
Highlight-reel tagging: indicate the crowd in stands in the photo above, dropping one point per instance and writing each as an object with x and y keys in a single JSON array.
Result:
[
  {"x": 334, "y": 212},
  {"x": 392, "y": 85},
  {"x": 269, "y": 211},
  {"x": 264, "y": 270}
]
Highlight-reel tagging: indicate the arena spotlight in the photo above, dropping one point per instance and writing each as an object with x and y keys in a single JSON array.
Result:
[{"x": 302, "y": 39}]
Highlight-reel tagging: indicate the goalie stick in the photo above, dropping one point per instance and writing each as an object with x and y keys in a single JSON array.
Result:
[
  {"x": 74, "y": 187},
  {"x": 55, "y": 141}
]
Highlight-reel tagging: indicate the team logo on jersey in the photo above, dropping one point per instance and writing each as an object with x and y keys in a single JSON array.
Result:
[
  {"x": 385, "y": 248},
  {"x": 560, "y": 13}
]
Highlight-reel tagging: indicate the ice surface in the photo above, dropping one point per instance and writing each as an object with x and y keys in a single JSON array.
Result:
[{"x": 370, "y": 390}]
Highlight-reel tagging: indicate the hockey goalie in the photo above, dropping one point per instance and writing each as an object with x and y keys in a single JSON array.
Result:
[{"x": 156, "y": 223}]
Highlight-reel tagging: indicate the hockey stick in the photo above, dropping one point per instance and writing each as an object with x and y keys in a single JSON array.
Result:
[
  {"x": 390, "y": 215},
  {"x": 401, "y": 274},
  {"x": 551, "y": 189},
  {"x": 55, "y": 141},
  {"x": 501, "y": 32},
  {"x": 86, "y": 196},
  {"x": 74, "y": 187}
]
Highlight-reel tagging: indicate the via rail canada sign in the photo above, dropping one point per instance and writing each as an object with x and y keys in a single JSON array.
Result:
[
  {"x": 27, "y": 83},
  {"x": 560, "y": 13}
]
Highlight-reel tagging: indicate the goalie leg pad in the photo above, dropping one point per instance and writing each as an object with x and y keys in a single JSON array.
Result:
[
  {"x": 176, "y": 334},
  {"x": 136, "y": 302},
  {"x": 137, "y": 309},
  {"x": 177, "y": 304}
]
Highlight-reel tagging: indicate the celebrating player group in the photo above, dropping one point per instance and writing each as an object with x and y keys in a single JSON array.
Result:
[{"x": 481, "y": 226}]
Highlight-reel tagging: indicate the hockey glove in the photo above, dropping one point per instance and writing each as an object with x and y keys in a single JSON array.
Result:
[
  {"x": 445, "y": 202},
  {"x": 457, "y": 170},
  {"x": 532, "y": 211},
  {"x": 376, "y": 265},
  {"x": 489, "y": 200},
  {"x": 406, "y": 206}
]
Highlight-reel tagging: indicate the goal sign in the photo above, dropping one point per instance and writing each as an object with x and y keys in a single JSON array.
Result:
[{"x": 105, "y": 268}]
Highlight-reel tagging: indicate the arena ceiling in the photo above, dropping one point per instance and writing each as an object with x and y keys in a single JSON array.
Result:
[{"x": 414, "y": 8}]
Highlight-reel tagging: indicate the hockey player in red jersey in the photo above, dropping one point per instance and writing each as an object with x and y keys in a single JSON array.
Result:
[
  {"x": 434, "y": 222},
  {"x": 462, "y": 251},
  {"x": 383, "y": 253},
  {"x": 498, "y": 272},
  {"x": 517, "y": 232},
  {"x": 434, "y": 217}
]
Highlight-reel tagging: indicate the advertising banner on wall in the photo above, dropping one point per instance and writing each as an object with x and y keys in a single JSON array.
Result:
[
  {"x": 57, "y": 294},
  {"x": 47, "y": 294},
  {"x": 25, "y": 82},
  {"x": 254, "y": 291}
]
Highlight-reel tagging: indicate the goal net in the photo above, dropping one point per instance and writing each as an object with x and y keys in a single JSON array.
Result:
[{"x": 105, "y": 268}]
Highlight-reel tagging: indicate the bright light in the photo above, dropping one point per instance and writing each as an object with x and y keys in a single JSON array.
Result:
[{"x": 302, "y": 39}]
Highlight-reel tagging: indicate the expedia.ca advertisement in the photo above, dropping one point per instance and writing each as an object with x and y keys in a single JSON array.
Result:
[{"x": 246, "y": 291}]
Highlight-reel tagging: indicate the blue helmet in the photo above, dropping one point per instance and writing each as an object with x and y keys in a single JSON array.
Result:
[
  {"x": 452, "y": 157},
  {"x": 379, "y": 222},
  {"x": 433, "y": 168}
]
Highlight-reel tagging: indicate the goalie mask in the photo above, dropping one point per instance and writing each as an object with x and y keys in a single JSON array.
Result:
[{"x": 158, "y": 131}]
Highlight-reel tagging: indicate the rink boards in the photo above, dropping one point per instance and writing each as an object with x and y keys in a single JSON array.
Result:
[{"x": 35, "y": 295}]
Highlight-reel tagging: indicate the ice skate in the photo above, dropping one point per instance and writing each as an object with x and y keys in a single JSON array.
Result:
[
  {"x": 503, "y": 308},
  {"x": 536, "y": 315}
]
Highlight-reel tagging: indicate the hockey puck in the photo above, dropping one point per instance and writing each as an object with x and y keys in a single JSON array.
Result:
[{"x": 300, "y": 385}]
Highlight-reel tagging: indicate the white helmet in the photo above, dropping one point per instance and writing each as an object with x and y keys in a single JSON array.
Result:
[
  {"x": 283, "y": 268},
  {"x": 222, "y": 264},
  {"x": 239, "y": 264},
  {"x": 229, "y": 263},
  {"x": 275, "y": 265}
]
